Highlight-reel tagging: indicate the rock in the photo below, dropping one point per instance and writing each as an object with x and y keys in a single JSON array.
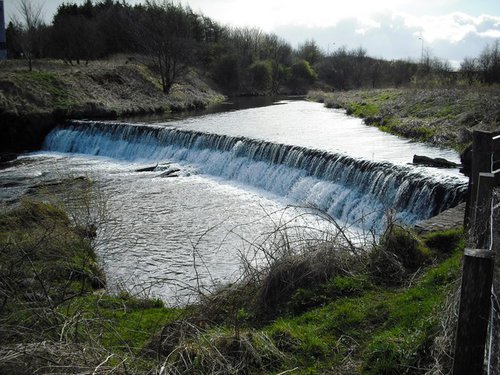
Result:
[
  {"x": 147, "y": 169},
  {"x": 170, "y": 173},
  {"x": 434, "y": 162},
  {"x": 7, "y": 156}
]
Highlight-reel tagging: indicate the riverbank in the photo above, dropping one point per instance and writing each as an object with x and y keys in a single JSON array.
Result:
[
  {"x": 444, "y": 117},
  {"x": 315, "y": 310},
  {"x": 31, "y": 103}
]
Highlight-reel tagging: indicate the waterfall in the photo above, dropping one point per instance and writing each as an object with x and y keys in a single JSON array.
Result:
[{"x": 353, "y": 191}]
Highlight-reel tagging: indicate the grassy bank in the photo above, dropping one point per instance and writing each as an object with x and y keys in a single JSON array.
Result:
[
  {"x": 324, "y": 309},
  {"x": 32, "y": 102},
  {"x": 443, "y": 117},
  {"x": 55, "y": 316}
]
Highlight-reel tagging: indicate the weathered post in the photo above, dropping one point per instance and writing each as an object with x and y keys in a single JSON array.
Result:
[
  {"x": 481, "y": 162},
  {"x": 474, "y": 312},
  {"x": 478, "y": 264},
  {"x": 3, "y": 43},
  {"x": 495, "y": 319}
]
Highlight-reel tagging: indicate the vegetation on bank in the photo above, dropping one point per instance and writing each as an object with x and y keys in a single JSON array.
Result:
[
  {"x": 329, "y": 307},
  {"x": 114, "y": 88},
  {"x": 442, "y": 116},
  {"x": 31, "y": 103}
]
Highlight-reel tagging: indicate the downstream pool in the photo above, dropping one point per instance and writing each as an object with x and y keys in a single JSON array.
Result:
[{"x": 225, "y": 182}]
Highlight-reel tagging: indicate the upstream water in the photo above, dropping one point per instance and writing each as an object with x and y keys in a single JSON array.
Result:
[{"x": 237, "y": 173}]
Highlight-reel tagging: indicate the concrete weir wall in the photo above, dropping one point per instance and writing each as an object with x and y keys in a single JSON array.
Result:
[{"x": 448, "y": 219}]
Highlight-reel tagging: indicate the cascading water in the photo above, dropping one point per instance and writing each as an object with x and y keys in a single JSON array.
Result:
[{"x": 354, "y": 191}]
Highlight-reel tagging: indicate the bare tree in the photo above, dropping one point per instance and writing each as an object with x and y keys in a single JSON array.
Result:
[
  {"x": 29, "y": 25},
  {"x": 489, "y": 63},
  {"x": 310, "y": 52},
  {"x": 165, "y": 34},
  {"x": 280, "y": 55},
  {"x": 469, "y": 70}
]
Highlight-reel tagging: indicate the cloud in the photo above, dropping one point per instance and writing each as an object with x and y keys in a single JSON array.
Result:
[
  {"x": 272, "y": 14},
  {"x": 394, "y": 35},
  {"x": 452, "y": 27},
  {"x": 490, "y": 33},
  {"x": 365, "y": 25}
]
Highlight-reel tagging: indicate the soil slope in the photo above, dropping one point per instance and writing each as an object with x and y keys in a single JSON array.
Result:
[{"x": 31, "y": 103}]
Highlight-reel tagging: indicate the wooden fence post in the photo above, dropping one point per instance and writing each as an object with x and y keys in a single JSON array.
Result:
[
  {"x": 474, "y": 312},
  {"x": 495, "y": 320},
  {"x": 478, "y": 264},
  {"x": 481, "y": 162}
]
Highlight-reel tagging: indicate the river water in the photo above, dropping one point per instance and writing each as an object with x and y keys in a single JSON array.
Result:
[{"x": 225, "y": 181}]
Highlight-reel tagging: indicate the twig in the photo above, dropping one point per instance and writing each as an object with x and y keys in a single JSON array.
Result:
[
  {"x": 102, "y": 363},
  {"x": 288, "y": 371}
]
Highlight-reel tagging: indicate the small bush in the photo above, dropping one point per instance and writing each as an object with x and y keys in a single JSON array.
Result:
[
  {"x": 399, "y": 254},
  {"x": 306, "y": 270},
  {"x": 224, "y": 304}
]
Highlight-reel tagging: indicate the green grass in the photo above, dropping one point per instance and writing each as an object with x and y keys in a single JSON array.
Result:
[
  {"x": 445, "y": 242},
  {"x": 41, "y": 76},
  {"x": 122, "y": 323},
  {"x": 49, "y": 86},
  {"x": 339, "y": 286},
  {"x": 363, "y": 109},
  {"x": 388, "y": 330}
]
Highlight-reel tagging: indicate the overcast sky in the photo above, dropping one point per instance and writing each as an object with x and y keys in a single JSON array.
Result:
[{"x": 451, "y": 29}]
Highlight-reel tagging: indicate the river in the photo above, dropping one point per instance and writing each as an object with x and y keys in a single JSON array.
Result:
[{"x": 225, "y": 181}]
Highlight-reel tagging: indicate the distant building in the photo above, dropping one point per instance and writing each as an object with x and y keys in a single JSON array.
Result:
[{"x": 3, "y": 42}]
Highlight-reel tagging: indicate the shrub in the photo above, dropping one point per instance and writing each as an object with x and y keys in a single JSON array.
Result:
[
  {"x": 288, "y": 278},
  {"x": 305, "y": 270},
  {"x": 224, "y": 303},
  {"x": 302, "y": 76},
  {"x": 399, "y": 254},
  {"x": 261, "y": 76}
]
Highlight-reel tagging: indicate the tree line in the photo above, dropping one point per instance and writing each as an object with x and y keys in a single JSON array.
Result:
[{"x": 171, "y": 38}]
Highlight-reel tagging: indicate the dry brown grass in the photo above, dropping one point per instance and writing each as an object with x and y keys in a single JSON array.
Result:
[{"x": 444, "y": 116}]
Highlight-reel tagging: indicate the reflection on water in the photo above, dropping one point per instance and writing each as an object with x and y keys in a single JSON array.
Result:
[{"x": 229, "y": 105}]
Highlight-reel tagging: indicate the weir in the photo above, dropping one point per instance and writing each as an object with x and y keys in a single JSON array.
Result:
[{"x": 354, "y": 191}]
